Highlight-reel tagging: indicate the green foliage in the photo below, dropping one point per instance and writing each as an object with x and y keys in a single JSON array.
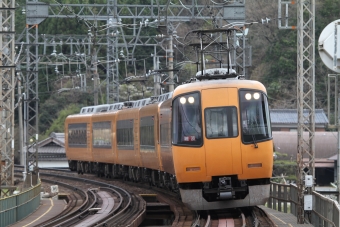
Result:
[
  {"x": 285, "y": 168},
  {"x": 282, "y": 59},
  {"x": 58, "y": 124},
  {"x": 281, "y": 155},
  {"x": 49, "y": 110}
]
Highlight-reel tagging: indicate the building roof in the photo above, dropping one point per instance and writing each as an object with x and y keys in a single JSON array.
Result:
[
  {"x": 290, "y": 116},
  {"x": 58, "y": 136},
  {"x": 55, "y": 144}
]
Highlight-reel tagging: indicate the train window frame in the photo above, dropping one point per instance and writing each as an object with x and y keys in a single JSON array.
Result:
[
  {"x": 219, "y": 136},
  {"x": 99, "y": 128},
  {"x": 146, "y": 125},
  {"x": 253, "y": 139},
  {"x": 187, "y": 143},
  {"x": 125, "y": 127},
  {"x": 81, "y": 130},
  {"x": 165, "y": 134}
]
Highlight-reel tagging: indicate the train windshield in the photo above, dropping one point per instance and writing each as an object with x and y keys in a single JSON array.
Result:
[
  {"x": 221, "y": 122},
  {"x": 186, "y": 120},
  {"x": 255, "y": 120}
]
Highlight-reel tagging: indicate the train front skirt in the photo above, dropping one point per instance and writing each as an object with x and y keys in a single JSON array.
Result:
[{"x": 258, "y": 195}]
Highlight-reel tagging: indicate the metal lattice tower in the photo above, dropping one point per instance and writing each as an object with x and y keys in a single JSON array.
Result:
[
  {"x": 36, "y": 13},
  {"x": 305, "y": 98},
  {"x": 31, "y": 102},
  {"x": 7, "y": 82},
  {"x": 112, "y": 86},
  {"x": 167, "y": 15}
]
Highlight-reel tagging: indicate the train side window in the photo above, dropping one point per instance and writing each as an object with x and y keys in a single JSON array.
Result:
[
  {"x": 147, "y": 133},
  {"x": 220, "y": 122},
  {"x": 102, "y": 134},
  {"x": 187, "y": 123},
  {"x": 77, "y": 135},
  {"x": 124, "y": 135},
  {"x": 165, "y": 134}
]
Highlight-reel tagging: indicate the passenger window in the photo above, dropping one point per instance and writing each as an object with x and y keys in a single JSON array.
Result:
[
  {"x": 101, "y": 132},
  {"x": 220, "y": 122},
  {"x": 125, "y": 140}
]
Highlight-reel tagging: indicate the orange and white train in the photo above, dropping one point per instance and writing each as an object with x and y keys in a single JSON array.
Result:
[{"x": 209, "y": 140}]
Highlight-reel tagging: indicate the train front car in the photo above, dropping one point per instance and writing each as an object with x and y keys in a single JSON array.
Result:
[{"x": 222, "y": 143}]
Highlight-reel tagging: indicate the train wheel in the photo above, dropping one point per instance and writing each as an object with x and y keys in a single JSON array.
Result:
[
  {"x": 165, "y": 180},
  {"x": 125, "y": 172},
  {"x": 173, "y": 183},
  {"x": 155, "y": 178},
  {"x": 96, "y": 169},
  {"x": 114, "y": 171},
  {"x": 90, "y": 165},
  {"x": 72, "y": 165},
  {"x": 130, "y": 174},
  {"x": 78, "y": 167},
  {"x": 106, "y": 171},
  {"x": 138, "y": 174},
  {"x": 86, "y": 165}
]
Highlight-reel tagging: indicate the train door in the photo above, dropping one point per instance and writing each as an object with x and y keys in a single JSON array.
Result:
[{"x": 221, "y": 136}]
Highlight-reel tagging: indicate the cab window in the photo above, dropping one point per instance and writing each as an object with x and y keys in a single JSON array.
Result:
[
  {"x": 220, "y": 122},
  {"x": 255, "y": 119},
  {"x": 187, "y": 123}
]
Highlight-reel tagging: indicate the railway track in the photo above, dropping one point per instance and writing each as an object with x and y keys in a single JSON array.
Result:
[
  {"x": 182, "y": 215},
  {"x": 105, "y": 205},
  {"x": 95, "y": 203},
  {"x": 240, "y": 217},
  {"x": 96, "y": 191}
]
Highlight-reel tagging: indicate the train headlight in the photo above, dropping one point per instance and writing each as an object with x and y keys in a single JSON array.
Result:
[
  {"x": 183, "y": 100},
  {"x": 256, "y": 95},
  {"x": 248, "y": 96},
  {"x": 191, "y": 100}
]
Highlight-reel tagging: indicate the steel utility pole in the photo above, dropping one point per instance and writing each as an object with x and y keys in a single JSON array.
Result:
[
  {"x": 36, "y": 12},
  {"x": 305, "y": 99},
  {"x": 7, "y": 83},
  {"x": 305, "y": 105},
  {"x": 171, "y": 64}
]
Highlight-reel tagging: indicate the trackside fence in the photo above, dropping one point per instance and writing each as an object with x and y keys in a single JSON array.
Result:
[
  {"x": 325, "y": 213},
  {"x": 17, "y": 207}
]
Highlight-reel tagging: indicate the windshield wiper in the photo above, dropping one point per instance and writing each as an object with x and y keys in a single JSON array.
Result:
[{"x": 254, "y": 140}]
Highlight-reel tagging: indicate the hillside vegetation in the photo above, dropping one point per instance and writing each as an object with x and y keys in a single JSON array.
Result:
[{"x": 273, "y": 54}]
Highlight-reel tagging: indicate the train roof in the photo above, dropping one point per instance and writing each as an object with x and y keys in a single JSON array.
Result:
[
  {"x": 94, "y": 109},
  {"x": 128, "y": 104},
  {"x": 211, "y": 84}
]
